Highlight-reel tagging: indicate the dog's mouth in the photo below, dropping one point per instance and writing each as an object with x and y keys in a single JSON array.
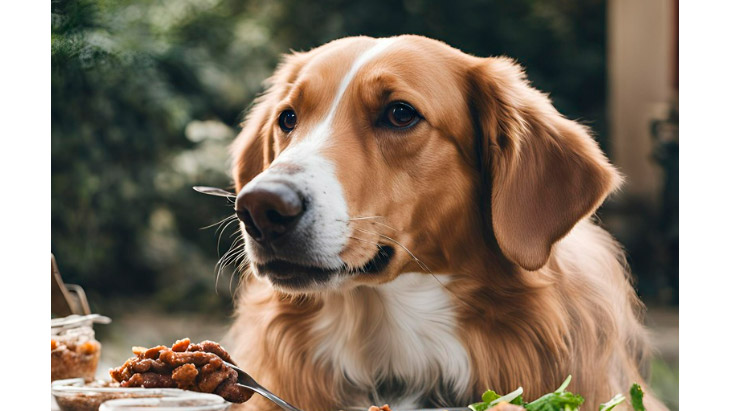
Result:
[{"x": 292, "y": 275}]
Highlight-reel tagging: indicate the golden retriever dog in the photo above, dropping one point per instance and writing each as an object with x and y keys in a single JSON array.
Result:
[{"x": 417, "y": 225}]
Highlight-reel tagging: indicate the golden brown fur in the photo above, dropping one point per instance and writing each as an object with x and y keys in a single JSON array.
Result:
[{"x": 496, "y": 188}]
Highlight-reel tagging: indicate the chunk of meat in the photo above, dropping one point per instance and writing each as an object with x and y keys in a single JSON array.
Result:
[
  {"x": 184, "y": 376},
  {"x": 195, "y": 367},
  {"x": 149, "y": 380}
]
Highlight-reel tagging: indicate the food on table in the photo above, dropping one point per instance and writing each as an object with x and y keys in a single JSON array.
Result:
[
  {"x": 194, "y": 367},
  {"x": 72, "y": 357},
  {"x": 376, "y": 408},
  {"x": 559, "y": 400},
  {"x": 91, "y": 399},
  {"x": 505, "y": 406},
  {"x": 637, "y": 397},
  {"x": 74, "y": 349}
]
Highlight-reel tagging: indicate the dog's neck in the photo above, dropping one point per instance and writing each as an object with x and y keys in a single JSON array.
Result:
[
  {"x": 398, "y": 339},
  {"x": 401, "y": 339}
]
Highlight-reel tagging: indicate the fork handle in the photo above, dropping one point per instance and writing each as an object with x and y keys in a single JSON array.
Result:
[{"x": 273, "y": 398}]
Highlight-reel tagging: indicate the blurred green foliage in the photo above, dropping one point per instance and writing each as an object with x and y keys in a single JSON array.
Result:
[
  {"x": 664, "y": 381},
  {"x": 147, "y": 95}
]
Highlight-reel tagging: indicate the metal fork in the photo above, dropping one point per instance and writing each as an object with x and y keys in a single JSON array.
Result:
[{"x": 248, "y": 382}]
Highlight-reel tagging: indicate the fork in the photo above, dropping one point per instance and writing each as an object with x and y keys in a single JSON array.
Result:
[{"x": 248, "y": 382}]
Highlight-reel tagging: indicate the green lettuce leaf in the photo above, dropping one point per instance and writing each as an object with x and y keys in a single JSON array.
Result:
[
  {"x": 491, "y": 398},
  {"x": 637, "y": 397},
  {"x": 479, "y": 406},
  {"x": 616, "y": 400},
  {"x": 559, "y": 400},
  {"x": 564, "y": 401}
]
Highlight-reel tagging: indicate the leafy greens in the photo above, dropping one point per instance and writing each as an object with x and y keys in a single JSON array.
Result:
[
  {"x": 637, "y": 397},
  {"x": 558, "y": 400}
]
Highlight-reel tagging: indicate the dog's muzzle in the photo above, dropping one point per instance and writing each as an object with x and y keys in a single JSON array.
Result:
[{"x": 296, "y": 225}]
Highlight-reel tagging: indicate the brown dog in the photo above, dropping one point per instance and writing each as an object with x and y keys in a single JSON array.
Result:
[{"x": 417, "y": 222}]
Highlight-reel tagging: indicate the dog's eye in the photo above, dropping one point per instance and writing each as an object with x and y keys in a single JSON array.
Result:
[
  {"x": 287, "y": 120},
  {"x": 401, "y": 115}
]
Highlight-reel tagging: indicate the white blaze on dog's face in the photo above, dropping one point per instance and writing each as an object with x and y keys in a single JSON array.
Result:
[{"x": 366, "y": 159}]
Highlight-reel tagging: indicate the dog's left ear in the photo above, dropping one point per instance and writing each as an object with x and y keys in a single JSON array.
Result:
[
  {"x": 546, "y": 172},
  {"x": 254, "y": 148}
]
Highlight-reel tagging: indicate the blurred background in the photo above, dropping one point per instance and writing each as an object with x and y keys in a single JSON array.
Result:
[{"x": 147, "y": 96}]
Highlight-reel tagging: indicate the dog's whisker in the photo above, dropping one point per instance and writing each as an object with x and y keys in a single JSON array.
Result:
[
  {"x": 218, "y": 223},
  {"x": 372, "y": 219},
  {"x": 241, "y": 258},
  {"x": 230, "y": 283},
  {"x": 349, "y": 268},
  {"x": 366, "y": 241},
  {"x": 222, "y": 264},
  {"x": 384, "y": 225},
  {"x": 231, "y": 253},
  {"x": 218, "y": 245},
  {"x": 416, "y": 259},
  {"x": 244, "y": 268},
  {"x": 235, "y": 248},
  {"x": 223, "y": 260},
  {"x": 232, "y": 274},
  {"x": 225, "y": 220},
  {"x": 220, "y": 232}
]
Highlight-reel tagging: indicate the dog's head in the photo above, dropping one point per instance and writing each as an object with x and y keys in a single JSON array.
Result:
[{"x": 366, "y": 158}]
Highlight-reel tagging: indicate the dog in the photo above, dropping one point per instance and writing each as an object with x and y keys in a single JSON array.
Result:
[{"x": 418, "y": 229}]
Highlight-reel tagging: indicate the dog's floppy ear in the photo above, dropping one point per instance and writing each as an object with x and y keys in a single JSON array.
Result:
[
  {"x": 250, "y": 147},
  {"x": 254, "y": 148},
  {"x": 546, "y": 172}
]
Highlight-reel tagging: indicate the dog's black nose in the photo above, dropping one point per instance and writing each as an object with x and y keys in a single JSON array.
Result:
[{"x": 268, "y": 210}]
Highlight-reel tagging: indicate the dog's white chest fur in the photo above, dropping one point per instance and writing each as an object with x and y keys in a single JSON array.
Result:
[{"x": 396, "y": 339}]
